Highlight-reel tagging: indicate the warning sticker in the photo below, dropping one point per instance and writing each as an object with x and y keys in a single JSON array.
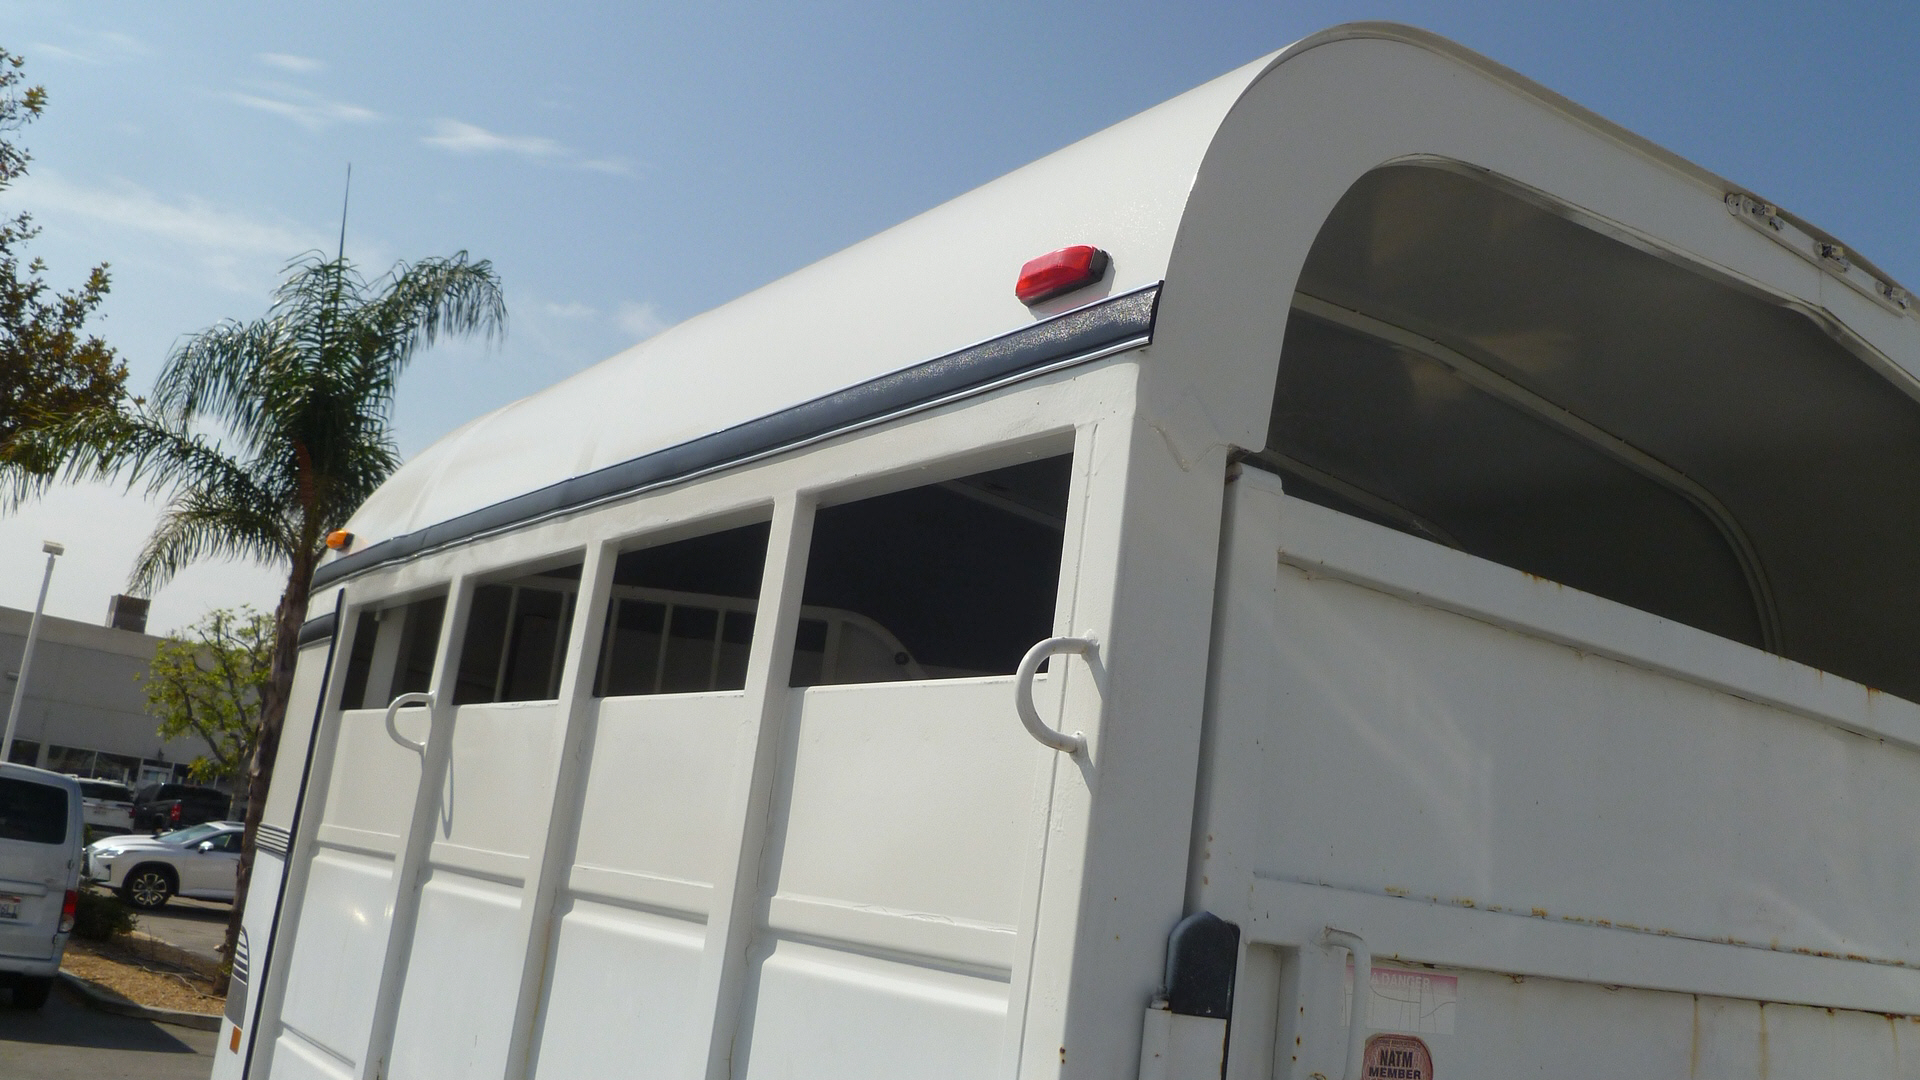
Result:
[
  {"x": 1397, "y": 1057},
  {"x": 1408, "y": 1000}
]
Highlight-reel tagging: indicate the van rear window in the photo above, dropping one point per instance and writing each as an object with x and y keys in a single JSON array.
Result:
[{"x": 35, "y": 813}]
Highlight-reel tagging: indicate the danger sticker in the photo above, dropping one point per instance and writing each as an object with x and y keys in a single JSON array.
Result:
[
  {"x": 1421, "y": 1002},
  {"x": 1397, "y": 1057}
]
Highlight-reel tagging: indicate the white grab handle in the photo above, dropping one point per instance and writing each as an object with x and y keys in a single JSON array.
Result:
[
  {"x": 1023, "y": 691},
  {"x": 396, "y": 705},
  {"x": 1362, "y": 990}
]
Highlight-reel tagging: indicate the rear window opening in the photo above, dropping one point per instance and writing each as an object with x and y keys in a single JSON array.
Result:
[
  {"x": 1466, "y": 364},
  {"x": 516, "y": 641},
  {"x": 101, "y": 789},
  {"x": 393, "y": 653},
  {"x": 680, "y": 617},
  {"x": 948, "y": 580},
  {"x": 32, "y": 813}
]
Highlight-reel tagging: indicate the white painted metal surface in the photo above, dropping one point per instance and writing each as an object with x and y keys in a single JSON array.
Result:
[{"x": 1578, "y": 838}]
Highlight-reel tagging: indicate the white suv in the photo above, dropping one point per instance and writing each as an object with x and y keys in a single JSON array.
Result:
[
  {"x": 39, "y": 878},
  {"x": 199, "y": 861},
  {"x": 109, "y": 805}
]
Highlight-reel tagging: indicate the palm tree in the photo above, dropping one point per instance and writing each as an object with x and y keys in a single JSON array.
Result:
[{"x": 264, "y": 436}]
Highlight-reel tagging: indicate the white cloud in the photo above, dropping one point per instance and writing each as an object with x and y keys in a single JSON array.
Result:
[
  {"x": 303, "y": 107},
  {"x": 610, "y": 166},
  {"x": 41, "y": 49},
  {"x": 104, "y": 47},
  {"x": 189, "y": 220},
  {"x": 464, "y": 138},
  {"x": 299, "y": 65},
  {"x": 642, "y": 319},
  {"x": 572, "y": 310},
  {"x": 122, "y": 44},
  {"x": 460, "y": 137}
]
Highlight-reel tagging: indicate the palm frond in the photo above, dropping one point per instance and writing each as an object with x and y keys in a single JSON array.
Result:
[
  {"x": 424, "y": 301},
  {"x": 202, "y": 526},
  {"x": 259, "y": 434},
  {"x": 234, "y": 372},
  {"x": 138, "y": 446}
]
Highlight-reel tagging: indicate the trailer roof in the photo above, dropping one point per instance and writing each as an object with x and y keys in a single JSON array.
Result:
[{"x": 902, "y": 298}]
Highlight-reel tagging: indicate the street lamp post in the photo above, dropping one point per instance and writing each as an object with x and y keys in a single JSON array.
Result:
[{"x": 53, "y": 551}]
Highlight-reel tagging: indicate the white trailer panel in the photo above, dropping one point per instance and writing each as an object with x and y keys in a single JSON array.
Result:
[{"x": 1467, "y": 534}]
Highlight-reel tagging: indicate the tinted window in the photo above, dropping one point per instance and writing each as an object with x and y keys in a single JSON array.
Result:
[
  {"x": 516, "y": 642},
  {"x": 35, "y": 813},
  {"x": 680, "y": 619},
  {"x": 393, "y": 653},
  {"x": 95, "y": 789},
  {"x": 948, "y": 580},
  {"x": 1470, "y": 366}
]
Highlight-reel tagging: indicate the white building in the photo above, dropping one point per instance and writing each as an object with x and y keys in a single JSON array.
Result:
[{"x": 86, "y": 708}]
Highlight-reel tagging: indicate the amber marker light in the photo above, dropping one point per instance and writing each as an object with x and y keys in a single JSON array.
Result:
[
  {"x": 1059, "y": 272},
  {"x": 339, "y": 539}
]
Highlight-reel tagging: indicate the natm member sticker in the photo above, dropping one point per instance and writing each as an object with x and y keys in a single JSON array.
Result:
[{"x": 1397, "y": 1057}]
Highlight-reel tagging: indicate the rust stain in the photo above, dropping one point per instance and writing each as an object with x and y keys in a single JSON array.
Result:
[
  {"x": 1539, "y": 913},
  {"x": 1693, "y": 1051},
  {"x": 1395, "y": 890},
  {"x": 1462, "y": 901}
]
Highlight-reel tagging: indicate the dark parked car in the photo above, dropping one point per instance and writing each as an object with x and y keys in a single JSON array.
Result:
[{"x": 175, "y": 806}]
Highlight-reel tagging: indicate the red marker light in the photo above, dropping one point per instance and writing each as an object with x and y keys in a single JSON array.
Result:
[
  {"x": 1061, "y": 271},
  {"x": 69, "y": 910}
]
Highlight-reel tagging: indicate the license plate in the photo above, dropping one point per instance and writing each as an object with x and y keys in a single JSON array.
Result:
[{"x": 9, "y": 907}]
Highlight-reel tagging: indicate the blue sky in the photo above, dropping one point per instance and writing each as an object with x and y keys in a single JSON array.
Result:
[{"x": 629, "y": 165}]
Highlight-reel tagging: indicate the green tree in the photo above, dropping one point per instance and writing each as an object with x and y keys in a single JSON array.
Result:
[
  {"x": 210, "y": 681},
  {"x": 48, "y": 367},
  {"x": 299, "y": 405}
]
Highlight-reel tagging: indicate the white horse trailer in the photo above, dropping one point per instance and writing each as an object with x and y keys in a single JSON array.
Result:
[{"x": 1477, "y": 552}]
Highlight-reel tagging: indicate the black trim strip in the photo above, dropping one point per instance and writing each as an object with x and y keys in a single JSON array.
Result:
[
  {"x": 319, "y": 628},
  {"x": 1079, "y": 334}
]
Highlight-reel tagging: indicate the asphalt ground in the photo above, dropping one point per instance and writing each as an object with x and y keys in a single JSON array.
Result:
[
  {"x": 65, "y": 1040},
  {"x": 198, "y": 926}
]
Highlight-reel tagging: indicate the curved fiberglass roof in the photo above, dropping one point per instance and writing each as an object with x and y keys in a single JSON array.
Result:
[{"x": 936, "y": 283}]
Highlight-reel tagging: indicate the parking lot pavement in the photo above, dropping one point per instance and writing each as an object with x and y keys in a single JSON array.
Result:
[
  {"x": 68, "y": 1041},
  {"x": 198, "y": 926}
]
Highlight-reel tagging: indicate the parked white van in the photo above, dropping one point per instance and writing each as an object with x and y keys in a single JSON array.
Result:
[
  {"x": 40, "y": 831},
  {"x": 1472, "y": 554}
]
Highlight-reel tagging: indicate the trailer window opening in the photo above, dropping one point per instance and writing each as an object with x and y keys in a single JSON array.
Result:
[
  {"x": 516, "y": 642},
  {"x": 393, "y": 653},
  {"x": 1469, "y": 366},
  {"x": 948, "y": 580},
  {"x": 680, "y": 619}
]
